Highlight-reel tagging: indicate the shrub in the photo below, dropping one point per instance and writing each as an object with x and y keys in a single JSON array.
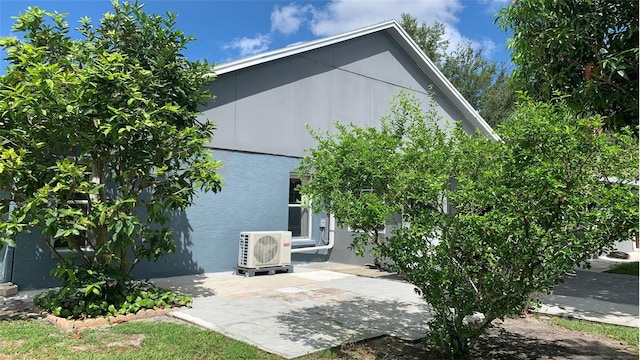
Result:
[{"x": 90, "y": 293}]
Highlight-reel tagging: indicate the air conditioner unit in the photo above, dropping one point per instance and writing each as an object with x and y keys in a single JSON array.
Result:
[{"x": 264, "y": 249}]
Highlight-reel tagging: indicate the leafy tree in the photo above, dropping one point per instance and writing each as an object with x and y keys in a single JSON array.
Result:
[
  {"x": 498, "y": 101},
  {"x": 484, "y": 223},
  {"x": 587, "y": 49},
  {"x": 470, "y": 73},
  {"x": 99, "y": 142},
  {"x": 482, "y": 82},
  {"x": 358, "y": 182},
  {"x": 430, "y": 39}
]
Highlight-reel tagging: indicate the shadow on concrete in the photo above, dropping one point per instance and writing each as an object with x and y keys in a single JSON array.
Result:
[
  {"x": 586, "y": 309},
  {"x": 354, "y": 320},
  {"x": 191, "y": 285},
  {"x": 614, "y": 288}
]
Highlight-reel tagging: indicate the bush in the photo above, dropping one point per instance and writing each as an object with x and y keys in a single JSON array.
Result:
[
  {"x": 484, "y": 223},
  {"x": 90, "y": 293}
]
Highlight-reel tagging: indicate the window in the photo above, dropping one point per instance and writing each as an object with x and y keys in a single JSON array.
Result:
[
  {"x": 82, "y": 202},
  {"x": 299, "y": 216},
  {"x": 381, "y": 230}
]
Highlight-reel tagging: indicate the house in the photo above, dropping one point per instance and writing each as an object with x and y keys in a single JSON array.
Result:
[{"x": 262, "y": 105}]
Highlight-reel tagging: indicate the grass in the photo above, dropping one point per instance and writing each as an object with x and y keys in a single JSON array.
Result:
[
  {"x": 134, "y": 340},
  {"x": 626, "y": 335},
  {"x": 626, "y": 268},
  {"x": 31, "y": 339}
]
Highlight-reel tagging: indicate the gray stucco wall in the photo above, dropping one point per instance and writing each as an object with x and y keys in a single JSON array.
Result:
[
  {"x": 264, "y": 108},
  {"x": 32, "y": 263},
  {"x": 254, "y": 198}
]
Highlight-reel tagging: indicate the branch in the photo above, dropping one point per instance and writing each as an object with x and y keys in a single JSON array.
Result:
[
  {"x": 595, "y": 76},
  {"x": 468, "y": 277},
  {"x": 47, "y": 241}
]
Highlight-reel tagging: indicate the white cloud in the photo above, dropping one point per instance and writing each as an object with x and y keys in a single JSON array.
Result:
[
  {"x": 339, "y": 16},
  {"x": 493, "y": 6},
  {"x": 488, "y": 47},
  {"x": 250, "y": 46},
  {"x": 343, "y": 15},
  {"x": 287, "y": 19}
]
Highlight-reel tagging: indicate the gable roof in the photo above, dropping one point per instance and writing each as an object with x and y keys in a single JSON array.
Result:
[{"x": 403, "y": 40}]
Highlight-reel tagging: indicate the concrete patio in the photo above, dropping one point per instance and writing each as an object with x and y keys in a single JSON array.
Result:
[{"x": 323, "y": 305}]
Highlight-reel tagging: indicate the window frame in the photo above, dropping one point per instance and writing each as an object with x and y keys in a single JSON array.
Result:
[
  {"x": 299, "y": 205},
  {"x": 83, "y": 203}
]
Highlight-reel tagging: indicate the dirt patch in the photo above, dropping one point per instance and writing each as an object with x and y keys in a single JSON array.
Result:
[
  {"x": 518, "y": 338},
  {"x": 133, "y": 341},
  {"x": 18, "y": 309}
]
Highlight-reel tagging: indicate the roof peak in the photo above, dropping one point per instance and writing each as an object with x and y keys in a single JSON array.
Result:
[
  {"x": 299, "y": 47},
  {"x": 401, "y": 37}
]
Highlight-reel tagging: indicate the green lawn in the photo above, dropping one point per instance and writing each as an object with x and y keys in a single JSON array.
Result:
[
  {"x": 31, "y": 339},
  {"x": 626, "y": 335},
  {"x": 627, "y": 268},
  {"x": 134, "y": 340}
]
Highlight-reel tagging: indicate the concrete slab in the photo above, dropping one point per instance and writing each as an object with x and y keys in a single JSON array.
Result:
[
  {"x": 285, "y": 337},
  {"x": 604, "y": 263},
  {"x": 377, "y": 288},
  {"x": 8, "y": 289},
  {"x": 613, "y": 288},
  {"x": 591, "y": 310},
  {"x": 595, "y": 296},
  {"x": 321, "y": 275},
  {"x": 324, "y": 305},
  {"x": 317, "y": 309}
]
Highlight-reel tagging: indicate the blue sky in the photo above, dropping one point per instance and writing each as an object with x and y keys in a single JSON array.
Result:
[{"x": 229, "y": 30}]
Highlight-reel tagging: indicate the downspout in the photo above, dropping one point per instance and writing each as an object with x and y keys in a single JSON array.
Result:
[
  {"x": 332, "y": 228},
  {"x": 6, "y": 263},
  {"x": 6, "y": 252}
]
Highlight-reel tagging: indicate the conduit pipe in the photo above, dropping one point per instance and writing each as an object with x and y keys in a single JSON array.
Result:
[{"x": 332, "y": 228}]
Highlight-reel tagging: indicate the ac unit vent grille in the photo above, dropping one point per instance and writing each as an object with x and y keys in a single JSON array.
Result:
[
  {"x": 244, "y": 250},
  {"x": 264, "y": 249}
]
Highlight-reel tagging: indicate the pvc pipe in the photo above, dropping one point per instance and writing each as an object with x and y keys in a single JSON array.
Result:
[{"x": 332, "y": 227}]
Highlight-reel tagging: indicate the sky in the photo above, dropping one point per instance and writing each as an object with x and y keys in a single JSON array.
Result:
[{"x": 230, "y": 30}]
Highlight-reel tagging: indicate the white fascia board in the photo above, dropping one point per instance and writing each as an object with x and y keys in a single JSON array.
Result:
[
  {"x": 403, "y": 40},
  {"x": 441, "y": 82},
  {"x": 299, "y": 48}
]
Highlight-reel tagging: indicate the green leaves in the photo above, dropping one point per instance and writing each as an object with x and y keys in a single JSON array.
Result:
[
  {"x": 99, "y": 130},
  {"x": 482, "y": 82},
  {"x": 483, "y": 223},
  {"x": 95, "y": 292},
  {"x": 587, "y": 49}
]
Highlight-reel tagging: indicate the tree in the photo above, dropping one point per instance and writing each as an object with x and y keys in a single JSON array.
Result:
[
  {"x": 484, "y": 223},
  {"x": 482, "y": 82},
  {"x": 430, "y": 39},
  {"x": 498, "y": 101},
  {"x": 99, "y": 142},
  {"x": 587, "y": 49},
  {"x": 470, "y": 73}
]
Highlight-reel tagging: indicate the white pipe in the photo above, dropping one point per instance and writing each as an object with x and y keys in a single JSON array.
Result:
[{"x": 332, "y": 228}]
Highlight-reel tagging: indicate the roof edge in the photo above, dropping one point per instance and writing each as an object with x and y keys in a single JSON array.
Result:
[
  {"x": 295, "y": 49},
  {"x": 403, "y": 39},
  {"x": 441, "y": 81}
]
